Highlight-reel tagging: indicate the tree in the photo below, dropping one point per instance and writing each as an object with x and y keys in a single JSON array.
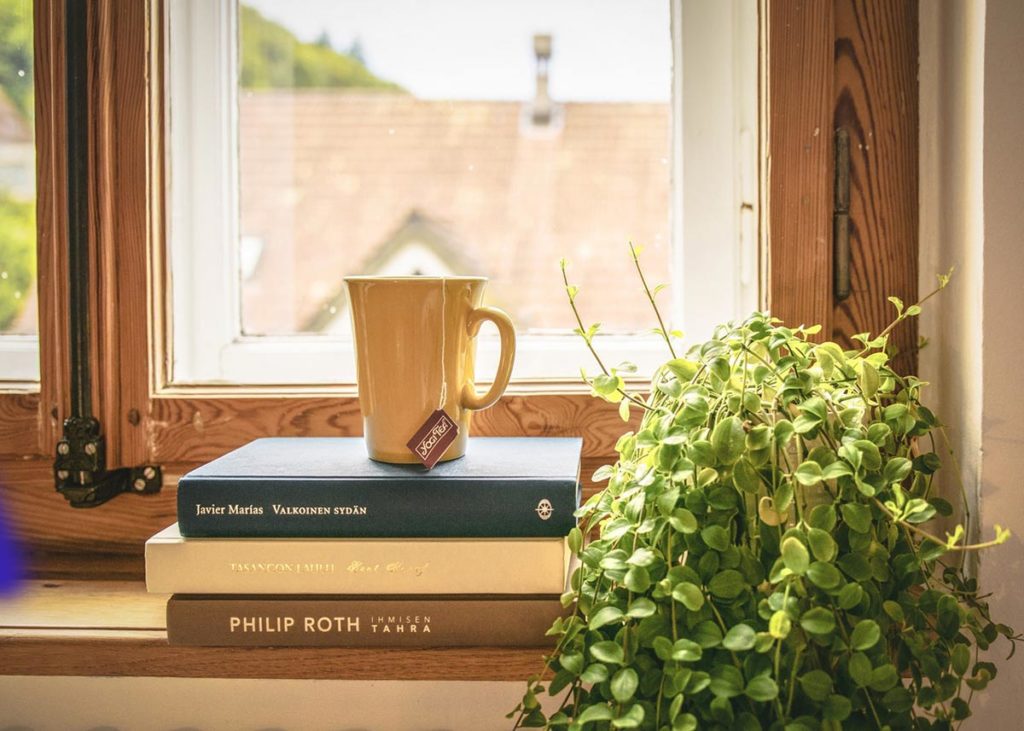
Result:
[
  {"x": 16, "y": 53},
  {"x": 273, "y": 58},
  {"x": 17, "y": 256}
]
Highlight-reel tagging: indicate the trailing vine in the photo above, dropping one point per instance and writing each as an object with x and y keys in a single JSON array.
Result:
[{"x": 761, "y": 556}]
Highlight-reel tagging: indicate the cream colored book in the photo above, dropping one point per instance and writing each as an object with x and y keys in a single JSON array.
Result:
[{"x": 176, "y": 565}]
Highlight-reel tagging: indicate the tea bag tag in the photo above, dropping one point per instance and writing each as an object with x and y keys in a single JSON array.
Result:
[{"x": 432, "y": 440}]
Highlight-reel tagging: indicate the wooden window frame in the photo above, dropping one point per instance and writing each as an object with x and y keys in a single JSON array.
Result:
[{"x": 808, "y": 53}]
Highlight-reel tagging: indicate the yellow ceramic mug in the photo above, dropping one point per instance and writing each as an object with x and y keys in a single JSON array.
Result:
[{"x": 415, "y": 341}]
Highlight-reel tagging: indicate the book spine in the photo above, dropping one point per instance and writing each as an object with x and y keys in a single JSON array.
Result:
[
  {"x": 217, "y": 507},
  {"x": 308, "y": 566},
  {"x": 360, "y": 622}
]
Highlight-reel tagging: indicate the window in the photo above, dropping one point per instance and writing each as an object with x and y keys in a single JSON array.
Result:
[
  {"x": 19, "y": 343},
  {"x": 313, "y": 140}
]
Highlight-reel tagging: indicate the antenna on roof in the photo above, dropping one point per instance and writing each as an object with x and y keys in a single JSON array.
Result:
[{"x": 542, "y": 106}]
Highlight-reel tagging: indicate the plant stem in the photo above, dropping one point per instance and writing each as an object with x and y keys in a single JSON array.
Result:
[
  {"x": 650, "y": 298},
  {"x": 590, "y": 345},
  {"x": 891, "y": 326},
  {"x": 933, "y": 538}
]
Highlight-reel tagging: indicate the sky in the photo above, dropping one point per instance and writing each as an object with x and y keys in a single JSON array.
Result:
[{"x": 603, "y": 50}]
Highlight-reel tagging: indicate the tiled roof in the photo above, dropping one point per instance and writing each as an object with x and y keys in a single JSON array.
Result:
[{"x": 328, "y": 176}]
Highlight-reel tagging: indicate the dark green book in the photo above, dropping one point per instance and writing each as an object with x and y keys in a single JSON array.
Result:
[{"x": 327, "y": 487}]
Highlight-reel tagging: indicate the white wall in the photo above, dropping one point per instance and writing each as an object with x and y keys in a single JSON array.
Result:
[
  {"x": 972, "y": 198},
  {"x": 1002, "y": 431}
]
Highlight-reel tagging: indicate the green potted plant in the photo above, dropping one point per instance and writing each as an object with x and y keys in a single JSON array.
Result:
[{"x": 760, "y": 557}]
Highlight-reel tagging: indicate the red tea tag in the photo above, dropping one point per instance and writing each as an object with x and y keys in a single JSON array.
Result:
[{"x": 431, "y": 440}]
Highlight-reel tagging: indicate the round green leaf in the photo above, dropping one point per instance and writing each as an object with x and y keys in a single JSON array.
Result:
[
  {"x": 683, "y": 369},
  {"x": 740, "y": 637},
  {"x": 631, "y": 718},
  {"x": 822, "y": 544},
  {"x": 624, "y": 684},
  {"x": 865, "y": 635},
  {"x": 795, "y": 556},
  {"x": 818, "y": 621},
  {"x": 575, "y": 540},
  {"x": 817, "y": 684},
  {"x": 896, "y": 469},
  {"x": 595, "y": 713},
  {"x": 723, "y": 498},
  {"x": 884, "y": 677},
  {"x": 744, "y": 476},
  {"x": 960, "y": 659},
  {"x": 603, "y": 616},
  {"x": 824, "y": 575},
  {"x": 728, "y": 439},
  {"x": 572, "y": 661},
  {"x": 727, "y": 584},
  {"x": 857, "y": 516},
  {"x": 726, "y": 681},
  {"x": 759, "y": 437},
  {"x": 850, "y": 596},
  {"x": 779, "y": 625},
  {"x": 859, "y": 668},
  {"x": 836, "y": 708},
  {"x": 706, "y": 634},
  {"x": 686, "y": 650},
  {"x": 822, "y": 517},
  {"x": 594, "y": 673},
  {"x": 683, "y": 521},
  {"x": 608, "y": 652},
  {"x": 685, "y": 722},
  {"x": 637, "y": 579},
  {"x": 894, "y": 610},
  {"x": 856, "y": 566},
  {"x": 641, "y": 607},
  {"x": 689, "y": 595},
  {"x": 808, "y": 473},
  {"x": 716, "y": 537},
  {"x": 762, "y": 688}
]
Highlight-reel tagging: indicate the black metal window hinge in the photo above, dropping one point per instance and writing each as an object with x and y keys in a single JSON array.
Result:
[
  {"x": 841, "y": 217},
  {"x": 79, "y": 470}
]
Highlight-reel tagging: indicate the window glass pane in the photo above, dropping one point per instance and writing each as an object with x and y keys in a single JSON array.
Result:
[
  {"x": 452, "y": 137},
  {"x": 17, "y": 176}
]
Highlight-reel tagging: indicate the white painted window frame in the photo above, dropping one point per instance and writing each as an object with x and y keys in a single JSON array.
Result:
[
  {"x": 19, "y": 359},
  {"x": 714, "y": 199}
]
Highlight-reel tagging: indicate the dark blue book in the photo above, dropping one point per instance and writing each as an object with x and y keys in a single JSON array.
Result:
[{"x": 327, "y": 487}]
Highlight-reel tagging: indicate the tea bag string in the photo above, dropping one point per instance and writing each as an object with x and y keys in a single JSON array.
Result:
[{"x": 444, "y": 376}]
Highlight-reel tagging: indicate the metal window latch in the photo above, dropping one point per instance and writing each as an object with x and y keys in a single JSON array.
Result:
[
  {"x": 841, "y": 217},
  {"x": 80, "y": 468}
]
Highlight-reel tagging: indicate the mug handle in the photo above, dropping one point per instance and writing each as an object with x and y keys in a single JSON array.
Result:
[{"x": 507, "y": 331}]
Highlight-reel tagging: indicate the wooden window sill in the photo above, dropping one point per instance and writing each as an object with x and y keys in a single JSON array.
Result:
[{"x": 114, "y": 628}]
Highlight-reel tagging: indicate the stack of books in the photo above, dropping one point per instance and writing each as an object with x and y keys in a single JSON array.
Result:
[{"x": 307, "y": 542}]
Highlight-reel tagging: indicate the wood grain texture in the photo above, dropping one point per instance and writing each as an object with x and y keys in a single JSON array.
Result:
[
  {"x": 83, "y": 605},
  {"x": 798, "y": 200},
  {"x": 30, "y": 422},
  {"x": 197, "y": 429},
  {"x": 46, "y": 526},
  {"x": 876, "y": 52},
  {"x": 145, "y": 653},
  {"x": 19, "y": 424},
  {"x": 120, "y": 106},
  {"x": 51, "y": 222},
  {"x": 68, "y": 628}
]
